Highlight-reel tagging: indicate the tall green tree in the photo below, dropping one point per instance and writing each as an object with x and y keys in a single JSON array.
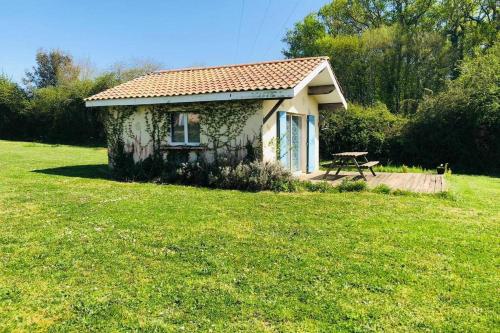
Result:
[
  {"x": 468, "y": 24},
  {"x": 395, "y": 51},
  {"x": 52, "y": 68}
]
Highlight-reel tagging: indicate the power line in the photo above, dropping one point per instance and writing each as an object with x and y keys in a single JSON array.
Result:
[
  {"x": 239, "y": 29},
  {"x": 260, "y": 27},
  {"x": 282, "y": 27}
]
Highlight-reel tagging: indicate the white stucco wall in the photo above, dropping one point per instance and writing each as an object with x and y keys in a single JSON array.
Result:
[
  {"x": 302, "y": 104},
  {"x": 138, "y": 140}
]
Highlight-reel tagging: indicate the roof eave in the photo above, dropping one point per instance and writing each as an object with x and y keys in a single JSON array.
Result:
[
  {"x": 225, "y": 96},
  {"x": 324, "y": 65}
]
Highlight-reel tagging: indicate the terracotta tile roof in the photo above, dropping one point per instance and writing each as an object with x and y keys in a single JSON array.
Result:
[{"x": 282, "y": 74}]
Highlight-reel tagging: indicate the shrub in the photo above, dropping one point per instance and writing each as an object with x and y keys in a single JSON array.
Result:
[
  {"x": 124, "y": 167},
  {"x": 322, "y": 186},
  {"x": 405, "y": 193},
  {"x": 53, "y": 113},
  {"x": 253, "y": 176},
  {"x": 460, "y": 125},
  {"x": 373, "y": 129},
  {"x": 58, "y": 114},
  {"x": 352, "y": 186},
  {"x": 382, "y": 188},
  {"x": 13, "y": 100},
  {"x": 446, "y": 195},
  {"x": 122, "y": 163},
  {"x": 190, "y": 173}
]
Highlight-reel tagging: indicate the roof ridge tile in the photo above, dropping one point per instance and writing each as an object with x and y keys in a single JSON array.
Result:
[{"x": 187, "y": 69}]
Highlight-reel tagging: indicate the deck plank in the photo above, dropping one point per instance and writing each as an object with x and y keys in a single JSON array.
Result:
[
  {"x": 416, "y": 185},
  {"x": 398, "y": 181},
  {"x": 412, "y": 180},
  {"x": 423, "y": 183},
  {"x": 428, "y": 183},
  {"x": 425, "y": 177}
]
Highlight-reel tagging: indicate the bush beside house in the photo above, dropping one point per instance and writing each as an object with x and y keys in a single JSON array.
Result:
[
  {"x": 373, "y": 129},
  {"x": 460, "y": 125}
]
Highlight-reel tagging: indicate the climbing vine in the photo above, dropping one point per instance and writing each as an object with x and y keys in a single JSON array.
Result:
[
  {"x": 157, "y": 126},
  {"x": 221, "y": 124},
  {"x": 116, "y": 123}
]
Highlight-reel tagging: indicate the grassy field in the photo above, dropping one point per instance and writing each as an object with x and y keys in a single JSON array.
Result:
[{"x": 80, "y": 252}]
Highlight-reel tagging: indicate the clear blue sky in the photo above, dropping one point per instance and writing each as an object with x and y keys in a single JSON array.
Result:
[{"x": 176, "y": 34}]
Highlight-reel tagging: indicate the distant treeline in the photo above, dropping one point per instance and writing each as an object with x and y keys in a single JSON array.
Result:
[{"x": 50, "y": 105}]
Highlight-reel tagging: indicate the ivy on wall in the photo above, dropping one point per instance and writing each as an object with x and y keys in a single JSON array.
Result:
[
  {"x": 223, "y": 123},
  {"x": 158, "y": 127},
  {"x": 115, "y": 121},
  {"x": 220, "y": 122}
]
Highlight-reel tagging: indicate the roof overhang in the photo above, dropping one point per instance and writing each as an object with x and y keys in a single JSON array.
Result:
[
  {"x": 322, "y": 73},
  {"x": 226, "y": 96},
  {"x": 323, "y": 76}
]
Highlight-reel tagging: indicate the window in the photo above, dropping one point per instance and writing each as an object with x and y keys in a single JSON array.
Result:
[{"x": 185, "y": 128}]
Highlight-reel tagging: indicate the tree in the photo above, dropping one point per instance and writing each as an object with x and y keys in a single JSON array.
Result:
[
  {"x": 373, "y": 66},
  {"x": 395, "y": 51},
  {"x": 303, "y": 40},
  {"x": 128, "y": 71},
  {"x": 468, "y": 25},
  {"x": 58, "y": 113},
  {"x": 461, "y": 125},
  {"x": 52, "y": 68},
  {"x": 13, "y": 100},
  {"x": 52, "y": 108}
]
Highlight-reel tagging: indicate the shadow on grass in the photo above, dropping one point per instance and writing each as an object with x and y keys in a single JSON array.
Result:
[{"x": 93, "y": 171}]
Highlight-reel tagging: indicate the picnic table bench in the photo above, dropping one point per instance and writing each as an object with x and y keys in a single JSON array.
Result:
[{"x": 341, "y": 160}]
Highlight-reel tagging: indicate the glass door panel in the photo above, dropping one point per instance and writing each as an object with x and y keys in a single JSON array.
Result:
[{"x": 295, "y": 142}]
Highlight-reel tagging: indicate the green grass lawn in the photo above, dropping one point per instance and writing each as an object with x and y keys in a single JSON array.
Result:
[{"x": 80, "y": 252}]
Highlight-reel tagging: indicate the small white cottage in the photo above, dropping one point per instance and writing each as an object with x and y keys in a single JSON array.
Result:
[{"x": 271, "y": 107}]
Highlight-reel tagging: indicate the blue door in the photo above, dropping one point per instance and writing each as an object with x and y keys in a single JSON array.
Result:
[
  {"x": 295, "y": 142},
  {"x": 289, "y": 141},
  {"x": 311, "y": 140},
  {"x": 282, "y": 138}
]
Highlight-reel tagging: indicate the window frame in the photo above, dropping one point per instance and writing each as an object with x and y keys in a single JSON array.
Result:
[{"x": 186, "y": 131}]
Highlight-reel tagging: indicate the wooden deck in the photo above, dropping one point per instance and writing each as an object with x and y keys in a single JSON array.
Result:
[{"x": 414, "y": 182}]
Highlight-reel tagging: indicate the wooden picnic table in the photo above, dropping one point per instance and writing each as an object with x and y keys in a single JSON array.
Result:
[{"x": 341, "y": 160}]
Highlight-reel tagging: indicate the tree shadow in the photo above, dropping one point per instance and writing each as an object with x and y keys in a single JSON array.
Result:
[{"x": 93, "y": 171}]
